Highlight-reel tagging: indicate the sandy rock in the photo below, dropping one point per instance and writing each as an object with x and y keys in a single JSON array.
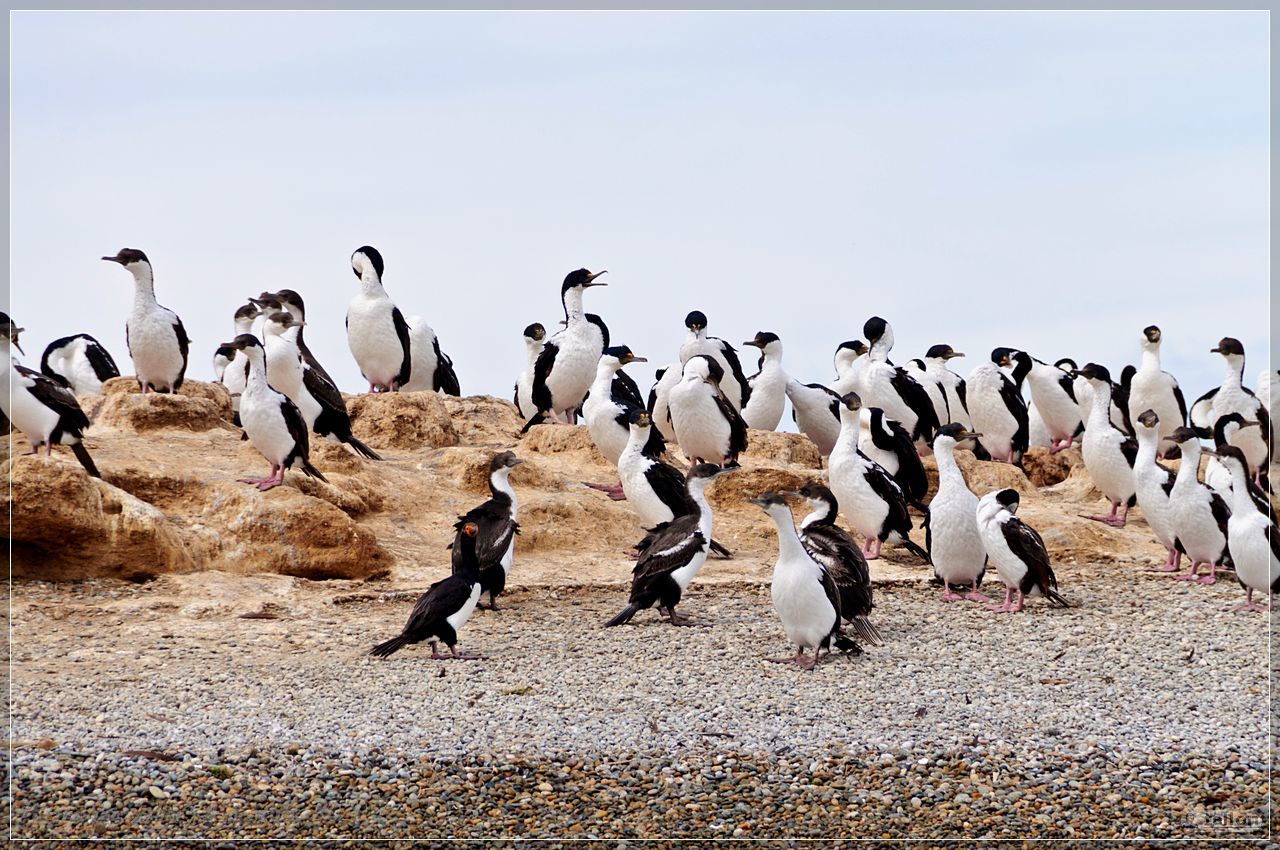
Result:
[
  {"x": 67, "y": 526},
  {"x": 733, "y": 489},
  {"x": 557, "y": 439},
  {"x": 1045, "y": 470},
  {"x": 482, "y": 420},
  {"x": 402, "y": 420},
  {"x": 783, "y": 447},
  {"x": 564, "y": 521},
  {"x": 982, "y": 476},
  {"x": 196, "y": 407},
  {"x": 468, "y": 469}
]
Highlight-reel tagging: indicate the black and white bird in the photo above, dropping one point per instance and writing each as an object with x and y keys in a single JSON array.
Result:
[
  {"x": 816, "y": 411},
  {"x": 951, "y": 534},
  {"x": 495, "y": 538},
  {"x": 674, "y": 555},
  {"x": 1017, "y": 551},
  {"x": 154, "y": 335},
  {"x": 734, "y": 385},
  {"x": 1108, "y": 452},
  {"x": 1119, "y": 415},
  {"x": 949, "y": 384},
  {"x": 323, "y": 409},
  {"x": 1233, "y": 397},
  {"x": 441, "y": 612},
  {"x": 919, "y": 372},
  {"x": 607, "y": 410},
  {"x": 768, "y": 385},
  {"x": 1268, "y": 393},
  {"x": 534, "y": 335},
  {"x": 849, "y": 359},
  {"x": 377, "y": 333},
  {"x": 805, "y": 595},
  {"x": 887, "y": 443},
  {"x": 432, "y": 369},
  {"x": 1151, "y": 388},
  {"x": 272, "y": 422},
  {"x": 1152, "y": 486},
  {"x": 655, "y": 490},
  {"x": 838, "y": 553},
  {"x": 996, "y": 407},
  {"x": 235, "y": 374},
  {"x": 872, "y": 501},
  {"x": 1199, "y": 513},
  {"x": 1251, "y": 534},
  {"x": 566, "y": 366},
  {"x": 892, "y": 389},
  {"x": 708, "y": 427},
  {"x": 660, "y": 397},
  {"x": 1054, "y": 395},
  {"x": 1215, "y": 472},
  {"x": 44, "y": 410},
  {"x": 80, "y": 363}
]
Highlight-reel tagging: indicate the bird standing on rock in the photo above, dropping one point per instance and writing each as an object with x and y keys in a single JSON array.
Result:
[
  {"x": 734, "y": 384},
  {"x": 377, "y": 333},
  {"x": 441, "y": 612},
  {"x": 272, "y": 422},
  {"x": 996, "y": 407},
  {"x": 674, "y": 555},
  {"x": 154, "y": 335},
  {"x": 1154, "y": 389},
  {"x": 768, "y": 385},
  {"x": 566, "y": 365},
  {"x": 80, "y": 363},
  {"x": 534, "y": 335},
  {"x": 804, "y": 594},
  {"x": 607, "y": 411},
  {"x": 42, "y": 409},
  {"x": 1018, "y": 552},
  {"x": 495, "y": 521},
  {"x": 708, "y": 427}
]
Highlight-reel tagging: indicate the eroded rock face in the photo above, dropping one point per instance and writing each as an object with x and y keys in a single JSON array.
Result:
[
  {"x": 402, "y": 420},
  {"x": 783, "y": 447},
  {"x": 196, "y": 407}
]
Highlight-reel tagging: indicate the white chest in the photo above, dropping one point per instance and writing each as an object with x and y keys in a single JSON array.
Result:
[
  {"x": 700, "y": 426},
  {"x": 807, "y": 615}
]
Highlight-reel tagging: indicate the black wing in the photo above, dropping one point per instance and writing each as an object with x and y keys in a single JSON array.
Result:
[
  {"x": 100, "y": 359},
  {"x": 541, "y": 393},
  {"x": 960, "y": 394},
  {"x": 1218, "y": 508},
  {"x": 625, "y": 392},
  {"x": 832, "y": 592},
  {"x": 445, "y": 379},
  {"x": 670, "y": 549},
  {"x": 737, "y": 426},
  {"x": 1129, "y": 448},
  {"x": 1182, "y": 402},
  {"x": 911, "y": 476},
  {"x": 441, "y": 599},
  {"x": 1201, "y": 409},
  {"x": 311, "y": 361},
  {"x": 496, "y": 531},
  {"x": 1018, "y": 409},
  {"x": 1169, "y": 476},
  {"x": 917, "y": 398},
  {"x": 297, "y": 427},
  {"x": 669, "y": 486},
  {"x": 1029, "y": 548},
  {"x": 402, "y": 331},
  {"x": 888, "y": 490},
  {"x": 842, "y": 559},
  {"x": 184, "y": 345},
  {"x": 59, "y": 399},
  {"x": 735, "y": 366},
  {"x": 1068, "y": 385},
  {"x": 322, "y": 390}
]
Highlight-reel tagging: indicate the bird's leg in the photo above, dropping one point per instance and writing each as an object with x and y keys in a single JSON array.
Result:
[
  {"x": 464, "y": 656},
  {"x": 947, "y": 595},
  {"x": 975, "y": 595},
  {"x": 1248, "y": 604},
  {"x": 1009, "y": 457},
  {"x": 276, "y": 479},
  {"x": 1169, "y": 566},
  {"x": 1212, "y": 577},
  {"x": 435, "y": 651},
  {"x": 372, "y": 388},
  {"x": 680, "y": 619},
  {"x": 613, "y": 490},
  {"x": 258, "y": 480},
  {"x": 1109, "y": 519},
  {"x": 1191, "y": 574},
  {"x": 1007, "y": 606},
  {"x": 493, "y": 602},
  {"x": 874, "y": 552},
  {"x": 1123, "y": 518},
  {"x": 1055, "y": 446},
  {"x": 48, "y": 449},
  {"x": 806, "y": 662},
  {"x": 790, "y": 659},
  {"x": 143, "y": 384}
]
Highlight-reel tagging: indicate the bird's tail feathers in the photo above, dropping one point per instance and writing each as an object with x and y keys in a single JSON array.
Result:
[
  {"x": 312, "y": 471},
  {"x": 82, "y": 455},
  {"x": 846, "y": 643},
  {"x": 915, "y": 548},
  {"x": 867, "y": 631},
  {"x": 624, "y": 616},
  {"x": 361, "y": 448},
  {"x": 1056, "y": 598},
  {"x": 386, "y": 648},
  {"x": 538, "y": 418},
  {"x": 720, "y": 549}
]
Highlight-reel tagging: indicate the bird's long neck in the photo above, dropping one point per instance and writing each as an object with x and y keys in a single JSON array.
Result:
[
  {"x": 1147, "y": 440},
  {"x": 1190, "y": 463},
  {"x": 820, "y": 513},
  {"x": 880, "y": 349},
  {"x": 605, "y": 370},
  {"x": 533, "y": 349},
  {"x": 371, "y": 284},
  {"x": 698, "y": 495},
  {"x": 1234, "y": 376},
  {"x": 789, "y": 546},
  {"x": 948, "y": 469},
  {"x": 257, "y": 368},
  {"x": 1150, "y": 360},
  {"x": 1241, "y": 501},
  {"x": 637, "y": 438},
  {"x": 144, "y": 290},
  {"x": 244, "y": 325},
  {"x": 572, "y": 299},
  {"x": 1100, "y": 413},
  {"x": 850, "y": 427},
  {"x": 500, "y": 485}
]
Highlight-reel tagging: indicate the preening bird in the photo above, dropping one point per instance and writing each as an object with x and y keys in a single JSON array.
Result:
[
  {"x": 660, "y": 399},
  {"x": 708, "y": 427},
  {"x": 838, "y": 553},
  {"x": 816, "y": 412},
  {"x": 768, "y": 385},
  {"x": 534, "y": 335},
  {"x": 804, "y": 594},
  {"x": 566, "y": 365},
  {"x": 272, "y": 422},
  {"x": 44, "y": 410},
  {"x": 377, "y": 333},
  {"x": 1054, "y": 395},
  {"x": 495, "y": 538},
  {"x": 1017, "y": 551},
  {"x": 432, "y": 368},
  {"x": 734, "y": 385},
  {"x": 80, "y": 363},
  {"x": 675, "y": 554},
  {"x": 850, "y": 357},
  {"x": 892, "y": 389},
  {"x": 441, "y": 612},
  {"x": 154, "y": 335}
]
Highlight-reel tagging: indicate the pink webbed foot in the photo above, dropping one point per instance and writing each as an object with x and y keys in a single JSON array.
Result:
[
  {"x": 977, "y": 596},
  {"x": 1003, "y": 608},
  {"x": 1209, "y": 579},
  {"x": 1164, "y": 568},
  {"x": 254, "y": 481},
  {"x": 613, "y": 491},
  {"x": 1246, "y": 606},
  {"x": 952, "y": 597},
  {"x": 1109, "y": 520}
]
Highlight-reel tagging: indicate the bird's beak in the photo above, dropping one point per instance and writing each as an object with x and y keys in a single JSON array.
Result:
[
  {"x": 113, "y": 260},
  {"x": 634, "y": 359},
  {"x": 753, "y": 342},
  {"x": 955, "y": 354},
  {"x": 790, "y": 494},
  {"x": 591, "y": 278},
  {"x": 19, "y": 347},
  {"x": 515, "y": 461}
]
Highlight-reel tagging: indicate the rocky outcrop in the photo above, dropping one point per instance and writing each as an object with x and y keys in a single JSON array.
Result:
[
  {"x": 402, "y": 420},
  {"x": 196, "y": 407}
]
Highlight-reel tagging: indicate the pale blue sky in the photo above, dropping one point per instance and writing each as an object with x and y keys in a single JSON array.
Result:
[{"x": 1053, "y": 182}]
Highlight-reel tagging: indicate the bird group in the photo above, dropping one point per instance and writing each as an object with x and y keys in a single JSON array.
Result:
[{"x": 871, "y": 425}]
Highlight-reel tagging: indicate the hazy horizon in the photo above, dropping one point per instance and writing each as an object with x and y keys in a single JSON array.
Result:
[{"x": 1047, "y": 181}]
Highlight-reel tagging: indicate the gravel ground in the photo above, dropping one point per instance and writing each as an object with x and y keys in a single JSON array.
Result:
[{"x": 1145, "y": 702}]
